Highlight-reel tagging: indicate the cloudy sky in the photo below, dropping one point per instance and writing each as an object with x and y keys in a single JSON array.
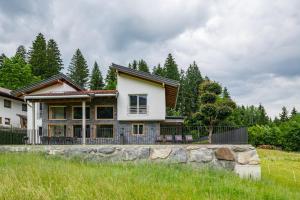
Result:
[{"x": 252, "y": 47}]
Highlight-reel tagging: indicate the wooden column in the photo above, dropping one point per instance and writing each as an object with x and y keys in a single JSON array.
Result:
[{"x": 83, "y": 122}]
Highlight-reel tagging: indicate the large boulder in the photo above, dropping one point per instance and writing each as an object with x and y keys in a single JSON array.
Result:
[
  {"x": 178, "y": 155},
  {"x": 248, "y": 157},
  {"x": 201, "y": 155},
  {"x": 161, "y": 153},
  {"x": 224, "y": 153}
]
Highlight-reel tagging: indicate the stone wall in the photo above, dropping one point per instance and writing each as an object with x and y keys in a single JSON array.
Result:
[{"x": 242, "y": 159}]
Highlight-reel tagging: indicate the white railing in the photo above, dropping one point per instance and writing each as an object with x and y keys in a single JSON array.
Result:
[{"x": 138, "y": 109}]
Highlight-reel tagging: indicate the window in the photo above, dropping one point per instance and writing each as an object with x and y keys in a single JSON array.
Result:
[
  {"x": 105, "y": 131},
  {"x": 105, "y": 112},
  {"x": 137, "y": 129},
  {"x": 57, "y": 112},
  {"x": 77, "y": 112},
  {"x": 137, "y": 104},
  {"x": 40, "y": 131},
  {"x": 7, "y": 121},
  {"x": 41, "y": 110},
  {"x": 0, "y": 120},
  {"x": 7, "y": 103},
  {"x": 77, "y": 131},
  {"x": 58, "y": 130},
  {"x": 24, "y": 107}
]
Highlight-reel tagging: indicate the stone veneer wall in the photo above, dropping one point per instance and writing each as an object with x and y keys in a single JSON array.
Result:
[{"x": 242, "y": 159}]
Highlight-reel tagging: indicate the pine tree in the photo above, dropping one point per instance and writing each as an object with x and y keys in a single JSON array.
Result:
[
  {"x": 293, "y": 112},
  {"x": 171, "y": 68},
  {"x": 190, "y": 86},
  {"x": 78, "y": 69},
  {"x": 111, "y": 79},
  {"x": 284, "y": 114},
  {"x": 21, "y": 51},
  {"x": 96, "y": 82},
  {"x": 38, "y": 56},
  {"x": 142, "y": 66},
  {"x": 158, "y": 70},
  {"x": 226, "y": 93},
  {"x": 263, "y": 117},
  {"x": 2, "y": 57},
  {"x": 54, "y": 61},
  {"x": 134, "y": 65}
]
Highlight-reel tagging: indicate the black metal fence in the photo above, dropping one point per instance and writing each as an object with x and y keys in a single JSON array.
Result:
[
  {"x": 147, "y": 135},
  {"x": 9, "y": 135}
]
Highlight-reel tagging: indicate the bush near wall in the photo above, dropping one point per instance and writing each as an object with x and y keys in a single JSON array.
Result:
[{"x": 285, "y": 135}]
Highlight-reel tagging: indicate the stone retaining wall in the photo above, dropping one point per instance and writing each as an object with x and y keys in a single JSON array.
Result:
[{"x": 242, "y": 159}]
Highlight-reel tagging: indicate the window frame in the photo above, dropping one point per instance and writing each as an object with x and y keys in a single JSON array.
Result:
[
  {"x": 49, "y": 114},
  {"x": 65, "y": 129},
  {"x": 113, "y": 131},
  {"x": 85, "y": 112},
  {"x": 86, "y": 128},
  {"x": 9, "y": 121},
  {"x": 10, "y": 103},
  {"x": 138, "y": 124},
  {"x": 106, "y": 106},
  {"x": 137, "y": 104},
  {"x": 24, "y": 105},
  {"x": 0, "y": 120}
]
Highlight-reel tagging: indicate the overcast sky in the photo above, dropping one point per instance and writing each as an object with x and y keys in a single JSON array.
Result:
[{"x": 252, "y": 47}]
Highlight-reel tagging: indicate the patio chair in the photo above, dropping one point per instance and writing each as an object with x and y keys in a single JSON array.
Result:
[
  {"x": 169, "y": 138},
  {"x": 178, "y": 139},
  {"x": 188, "y": 138},
  {"x": 159, "y": 138}
]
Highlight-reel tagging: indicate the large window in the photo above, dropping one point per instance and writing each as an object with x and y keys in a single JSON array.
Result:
[
  {"x": 24, "y": 107},
  {"x": 77, "y": 112},
  {"x": 58, "y": 130},
  {"x": 57, "y": 112},
  {"x": 77, "y": 131},
  {"x": 105, "y": 112},
  {"x": 138, "y": 104},
  {"x": 137, "y": 129},
  {"x": 105, "y": 131},
  {"x": 7, "y": 103}
]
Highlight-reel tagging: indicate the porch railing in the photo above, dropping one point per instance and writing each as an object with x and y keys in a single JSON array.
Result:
[{"x": 148, "y": 135}]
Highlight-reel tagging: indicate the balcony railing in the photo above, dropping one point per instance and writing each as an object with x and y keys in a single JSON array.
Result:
[{"x": 138, "y": 109}]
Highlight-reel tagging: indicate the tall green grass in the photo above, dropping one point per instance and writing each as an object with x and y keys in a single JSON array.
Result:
[{"x": 35, "y": 176}]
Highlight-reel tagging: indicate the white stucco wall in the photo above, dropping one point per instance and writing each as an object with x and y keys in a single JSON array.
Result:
[
  {"x": 156, "y": 102},
  {"x": 11, "y": 113}
]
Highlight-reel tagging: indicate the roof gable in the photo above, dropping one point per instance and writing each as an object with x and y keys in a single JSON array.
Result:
[{"x": 59, "y": 78}]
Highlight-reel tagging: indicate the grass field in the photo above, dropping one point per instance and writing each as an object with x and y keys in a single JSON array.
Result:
[{"x": 33, "y": 176}]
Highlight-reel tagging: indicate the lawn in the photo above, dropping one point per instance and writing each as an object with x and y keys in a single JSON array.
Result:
[{"x": 35, "y": 176}]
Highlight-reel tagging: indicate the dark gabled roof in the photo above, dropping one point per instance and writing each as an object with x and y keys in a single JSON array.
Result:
[
  {"x": 171, "y": 86},
  {"x": 70, "y": 93},
  {"x": 145, "y": 75},
  {"x": 45, "y": 83}
]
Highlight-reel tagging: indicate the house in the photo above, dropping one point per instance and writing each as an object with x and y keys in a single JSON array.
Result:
[
  {"x": 133, "y": 113},
  {"x": 13, "y": 110}
]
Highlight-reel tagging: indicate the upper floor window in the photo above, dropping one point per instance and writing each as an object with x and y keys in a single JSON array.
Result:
[
  {"x": 40, "y": 110},
  {"x": 105, "y": 112},
  {"x": 138, "y": 104},
  {"x": 57, "y": 112},
  {"x": 7, "y": 103},
  {"x": 24, "y": 107},
  {"x": 77, "y": 112}
]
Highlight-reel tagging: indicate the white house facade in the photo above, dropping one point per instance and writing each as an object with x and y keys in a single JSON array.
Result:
[
  {"x": 61, "y": 111},
  {"x": 13, "y": 110}
]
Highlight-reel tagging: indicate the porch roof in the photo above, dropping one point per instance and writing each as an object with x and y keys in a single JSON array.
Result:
[{"x": 73, "y": 94}]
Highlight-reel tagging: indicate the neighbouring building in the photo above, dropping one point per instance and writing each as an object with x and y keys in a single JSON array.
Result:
[
  {"x": 13, "y": 110},
  {"x": 133, "y": 113}
]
